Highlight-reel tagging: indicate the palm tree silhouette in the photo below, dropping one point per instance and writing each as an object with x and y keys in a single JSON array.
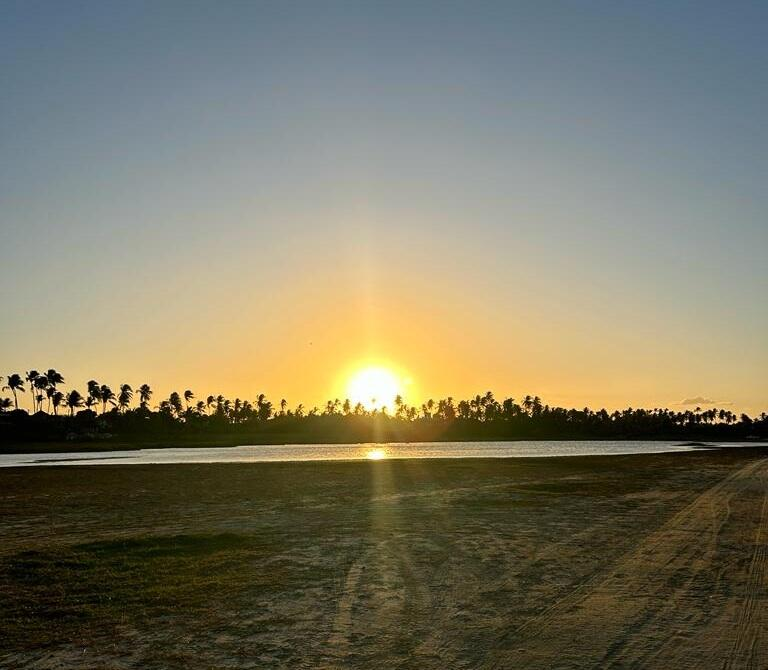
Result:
[
  {"x": 125, "y": 396},
  {"x": 175, "y": 402},
  {"x": 40, "y": 382},
  {"x": 56, "y": 400},
  {"x": 145, "y": 393},
  {"x": 31, "y": 376},
  {"x": 73, "y": 400},
  {"x": 188, "y": 397},
  {"x": 536, "y": 406},
  {"x": 54, "y": 377},
  {"x": 94, "y": 393},
  {"x": 527, "y": 403},
  {"x": 15, "y": 383},
  {"x": 107, "y": 396}
]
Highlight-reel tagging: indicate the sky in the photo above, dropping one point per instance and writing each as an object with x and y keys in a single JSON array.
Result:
[{"x": 565, "y": 199}]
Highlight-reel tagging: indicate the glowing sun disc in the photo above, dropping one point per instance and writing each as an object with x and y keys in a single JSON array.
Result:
[{"x": 373, "y": 387}]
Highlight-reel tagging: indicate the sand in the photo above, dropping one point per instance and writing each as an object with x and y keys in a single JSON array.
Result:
[{"x": 651, "y": 561}]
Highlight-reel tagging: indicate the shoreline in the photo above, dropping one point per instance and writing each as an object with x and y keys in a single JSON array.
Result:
[{"x": 84, "y": 447}]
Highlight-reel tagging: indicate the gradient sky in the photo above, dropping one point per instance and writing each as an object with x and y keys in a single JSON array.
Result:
[{"x": 557, "y": 198}]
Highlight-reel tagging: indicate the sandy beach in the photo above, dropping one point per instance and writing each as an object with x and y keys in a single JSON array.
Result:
[{"x": 623, "y": 561}]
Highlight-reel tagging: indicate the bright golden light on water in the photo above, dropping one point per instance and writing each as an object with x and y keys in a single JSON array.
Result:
[
  {"x": 374, "y": 387},
  {"x": 376, "y": 454}
]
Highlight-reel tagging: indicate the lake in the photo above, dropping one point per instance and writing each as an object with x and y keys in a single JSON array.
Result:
[{"x": 336, "y": 452}]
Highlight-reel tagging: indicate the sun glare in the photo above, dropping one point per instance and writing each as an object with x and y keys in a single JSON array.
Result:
[
  {"x": 374, "y": 387},
  {"x": 376, "y": 454}
]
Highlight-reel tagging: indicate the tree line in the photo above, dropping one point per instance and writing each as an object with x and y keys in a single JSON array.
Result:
[{"x": 128, "y": 410}]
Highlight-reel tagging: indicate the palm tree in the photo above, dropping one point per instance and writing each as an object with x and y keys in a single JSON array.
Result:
[
  {"x": 15, "y": 383},
  {"x": 175, "y": 402},
  {"x": 31, "y": 376},
  {"x": 94, "y": 393},
  {"x": 527, "y": 403},
  {"x": 536, "y": 406},
  {"x": 40, "y": 382},
  {"x": 124, "y": 397},
  {"x": 263, "y": 407},
  {"x": 508, "y": 407},
  {"x": 399, "y": 407},
  {"x": 145, "y": 393},
  {"x": 54, "y": 377},
  {"x": 5, "y": 403},
  {"x": 73, "y": 400},
  {"x": 188, "y": 397},
  {"x": 210, "y": 401},
  {"x": 57, "y": 399},
  {"x": 107, "y": 396}
]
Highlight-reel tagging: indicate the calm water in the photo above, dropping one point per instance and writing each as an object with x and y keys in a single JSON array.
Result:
[{"x": 338, "y": 452}]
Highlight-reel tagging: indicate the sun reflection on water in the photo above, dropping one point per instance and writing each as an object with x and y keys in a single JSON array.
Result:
[{"x": 376, "y": 454}]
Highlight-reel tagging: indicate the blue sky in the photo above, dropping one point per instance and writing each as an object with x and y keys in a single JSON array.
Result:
[{"x": 563, "y": 198}]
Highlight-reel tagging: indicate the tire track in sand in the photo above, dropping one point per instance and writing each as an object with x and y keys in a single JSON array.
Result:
[
  {"x": 748, "y": 627},
  {"x": 392, "y": 591},
  {"x": 668, "y": 602},
  {"x": 338, "y": 642}
]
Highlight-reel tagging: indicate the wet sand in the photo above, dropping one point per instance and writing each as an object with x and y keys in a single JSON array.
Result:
[{"x": 651, "y": 561}]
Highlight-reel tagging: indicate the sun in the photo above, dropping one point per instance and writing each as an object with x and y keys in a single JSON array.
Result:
[{"x": 374, "y": 387}]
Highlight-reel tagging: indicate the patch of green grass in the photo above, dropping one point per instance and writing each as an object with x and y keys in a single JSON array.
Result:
[{"x": 54, "y": 596}]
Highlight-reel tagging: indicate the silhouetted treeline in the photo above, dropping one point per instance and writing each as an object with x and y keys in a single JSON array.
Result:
[{"x": 126, "y": 414}]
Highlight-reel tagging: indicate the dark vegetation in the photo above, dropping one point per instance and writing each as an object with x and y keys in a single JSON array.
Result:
[
  {"x": 79, "y": 585},
  {"x": 126, "y": 417}
]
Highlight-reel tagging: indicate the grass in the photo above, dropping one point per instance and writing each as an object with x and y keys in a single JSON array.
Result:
[{"x": 64, "y": 595}]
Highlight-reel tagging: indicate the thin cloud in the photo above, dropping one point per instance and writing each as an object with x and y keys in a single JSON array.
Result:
[{"x": 701, "y": 400}]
